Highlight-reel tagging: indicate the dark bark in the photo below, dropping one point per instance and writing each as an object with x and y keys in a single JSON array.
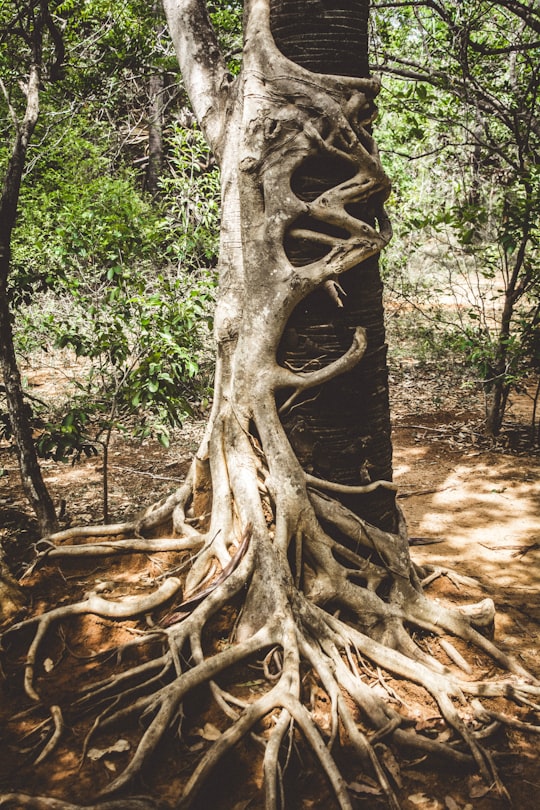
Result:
[
  {"x": 342, "y": 434},
  {"x": 325, "y": 36},
  {"x": 32, "y": 481}
]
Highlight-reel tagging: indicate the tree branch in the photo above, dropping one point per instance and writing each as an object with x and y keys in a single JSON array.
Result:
[{"x": 203, "y": 67}]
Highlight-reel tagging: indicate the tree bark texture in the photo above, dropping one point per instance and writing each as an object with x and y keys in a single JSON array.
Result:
[
  {"x": 344, "y": 432},
  {"x": 155, "y": 133},
  {"x": 324, "y": 36}
]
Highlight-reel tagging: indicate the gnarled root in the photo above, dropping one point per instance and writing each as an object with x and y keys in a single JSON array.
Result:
[
  {"x": 321, "y": 597},
  {"x": 348, "y": 611}
]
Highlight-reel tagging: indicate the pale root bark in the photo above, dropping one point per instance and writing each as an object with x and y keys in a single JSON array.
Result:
[{"x": 318, "y": 586}]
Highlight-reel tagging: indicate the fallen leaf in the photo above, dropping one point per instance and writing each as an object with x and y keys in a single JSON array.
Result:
[
  {"x": 363, "y": 788},
  {"x": 116, "y": 748},
  {"x": 451, "y": 803},
  {"x": 425, "y": 802},
  {"x": 477, "y": 788},
  {"x": 209, "y": 732}
]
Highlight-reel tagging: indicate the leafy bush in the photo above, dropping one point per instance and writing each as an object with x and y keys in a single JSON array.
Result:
[
  {"x": 77, "y": 220},
  {"x": 191, "y": 198},
  {"x": 101, "y": 270}
]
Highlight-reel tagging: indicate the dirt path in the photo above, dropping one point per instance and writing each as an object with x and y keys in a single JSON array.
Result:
[{"x": 481, "y": 509}]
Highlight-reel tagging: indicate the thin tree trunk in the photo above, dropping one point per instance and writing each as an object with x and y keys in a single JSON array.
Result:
[
  {"x": 499, "y": 386},
  {"x": 155, "y": 133},
  {"x": 32, "y": 481},
  {"x": 155, "y": 122}
]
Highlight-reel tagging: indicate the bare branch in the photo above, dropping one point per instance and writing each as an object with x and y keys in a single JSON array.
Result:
[{"x": 12, "y": 113}]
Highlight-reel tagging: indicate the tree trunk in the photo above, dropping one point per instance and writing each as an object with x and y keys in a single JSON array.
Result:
[
  {"x": 156, "y": 87},
  {"x": 517, "y": 281},
  {"x": 155, "y": 133},
  {"x": 323, "y": 37},
  {"x": 291, "y": 352},
  {"x": 32, "y": 481},
  {"x": 342, "y": 431}
]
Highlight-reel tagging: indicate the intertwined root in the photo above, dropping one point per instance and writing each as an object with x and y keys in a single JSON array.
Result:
[{"x": 351, "y": 612}]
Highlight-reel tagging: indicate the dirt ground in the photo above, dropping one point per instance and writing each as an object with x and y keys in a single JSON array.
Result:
[{"x": 471, "y": 506}]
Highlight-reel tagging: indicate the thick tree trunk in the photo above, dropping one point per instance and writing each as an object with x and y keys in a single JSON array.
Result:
[
  {"x": 324, "y": 37},
  {"x": 342, "y": 431}
]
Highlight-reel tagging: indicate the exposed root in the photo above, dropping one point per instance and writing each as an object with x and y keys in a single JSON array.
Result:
[
  {"x": 58, "y": 721},
  {"x": 112, "y": 548},
  {"x": 360, "y": 489},
  {"x": 317, "y": 588},
  {"x": 17, "y": 801},
  {"x": 124, "y": 608},
  {"x": 345, "y": 654}
]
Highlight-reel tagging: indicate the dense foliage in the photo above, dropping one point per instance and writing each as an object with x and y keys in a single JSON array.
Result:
[
  {"x": 98, "y": 266},
  {"x": 461, "y": 134}
]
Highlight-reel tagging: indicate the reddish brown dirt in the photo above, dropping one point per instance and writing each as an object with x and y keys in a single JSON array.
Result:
[{"x": 470, "y": 506}]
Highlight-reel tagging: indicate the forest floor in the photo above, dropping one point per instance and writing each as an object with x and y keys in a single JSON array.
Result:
[{"x": 471, "y": 505}]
